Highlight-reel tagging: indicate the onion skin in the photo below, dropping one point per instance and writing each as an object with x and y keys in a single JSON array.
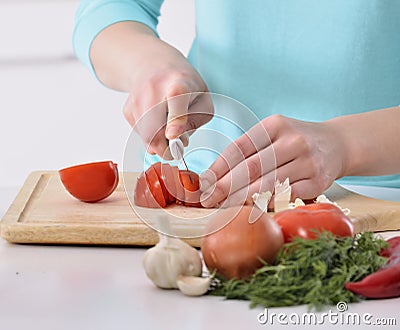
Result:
[{"x": 233, "y": 250}]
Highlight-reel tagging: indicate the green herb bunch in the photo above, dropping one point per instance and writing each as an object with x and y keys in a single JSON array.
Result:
[{"x": 309, "y": 272}]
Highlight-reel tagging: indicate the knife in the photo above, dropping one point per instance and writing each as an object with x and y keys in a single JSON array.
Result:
[{"x": 177, "y": 149}]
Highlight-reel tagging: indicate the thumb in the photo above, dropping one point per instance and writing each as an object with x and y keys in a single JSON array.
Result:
[{"x": 177, "y": 112}]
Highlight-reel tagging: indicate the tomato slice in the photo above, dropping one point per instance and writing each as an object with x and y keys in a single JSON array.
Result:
[
  {"x": 165, "y": 175},
  {"x": 139, "y": 197},
  {"x": 90, "y": 182},
  {"x": 154, "y": 186},
  {"x": 191, "y": 184},
  {"x": 168, "y": 177},
  {"x": 179, "y": 189}
]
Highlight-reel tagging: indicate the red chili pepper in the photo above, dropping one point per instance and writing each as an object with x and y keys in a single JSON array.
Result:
[
  {"x": 384, "y": 283},
  {"x": 306, "y": 221}
]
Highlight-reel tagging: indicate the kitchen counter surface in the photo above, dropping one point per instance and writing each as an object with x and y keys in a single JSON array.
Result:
[{"x": 80, "y": 287}]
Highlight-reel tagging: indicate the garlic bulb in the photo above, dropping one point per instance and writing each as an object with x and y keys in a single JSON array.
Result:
[{"x": 168, "y": 259}]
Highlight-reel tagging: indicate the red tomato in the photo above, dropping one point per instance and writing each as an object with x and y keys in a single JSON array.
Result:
[
  {"x": 191, "y": 184},
  {"x": 90, "y": 182},
  {"x": 305, "y": 221}
]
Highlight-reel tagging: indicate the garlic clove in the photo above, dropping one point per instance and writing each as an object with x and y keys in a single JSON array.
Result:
[
  {"x": 261, "y": 200},
  {"x": 193, "y": 285},
  {"x": 283, "y": 193},
  {"x": 323, "y": 199}
]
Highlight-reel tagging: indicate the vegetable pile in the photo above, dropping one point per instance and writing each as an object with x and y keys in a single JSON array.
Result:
[{"x": 310, "y": 272}]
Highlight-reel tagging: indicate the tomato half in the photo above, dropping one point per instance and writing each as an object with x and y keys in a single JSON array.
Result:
[
  {"x": 90, "y": 182},
  {"x": 191, "y": 185},
  {"x": 306, "y": 221}
]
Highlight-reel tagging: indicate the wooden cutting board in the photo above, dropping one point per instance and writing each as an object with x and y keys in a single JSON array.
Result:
[{"x": 43, "y": 212}]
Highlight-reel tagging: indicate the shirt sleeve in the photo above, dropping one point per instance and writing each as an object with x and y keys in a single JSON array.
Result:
[{"x": 92, "y": 16}]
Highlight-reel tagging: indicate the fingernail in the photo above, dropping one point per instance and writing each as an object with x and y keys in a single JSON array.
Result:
[
  {"x": 173, "y": 131},
  {"x": 207, "y": 179}
]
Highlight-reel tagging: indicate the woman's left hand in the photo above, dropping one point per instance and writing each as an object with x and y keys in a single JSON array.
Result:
[{"x": 311, "y": 155}]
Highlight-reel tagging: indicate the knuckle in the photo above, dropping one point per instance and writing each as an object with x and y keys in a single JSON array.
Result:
[
  {"x": 277, "y": 120},
  {"x": 178, "y": 87},
  {"x": 254, "y": 169},
  {"x": 243, "y": 143},
  {"x": 300, "y": 142},
  {"x": 151, "y": 82}
]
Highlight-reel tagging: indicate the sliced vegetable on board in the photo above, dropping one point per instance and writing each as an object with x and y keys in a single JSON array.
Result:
[{"x": 164, "y": 184}]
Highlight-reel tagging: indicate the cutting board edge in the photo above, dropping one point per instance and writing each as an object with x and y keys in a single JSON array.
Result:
[
  {"x": 23, "y": 197},
  {"x": 83, "y": 234}
]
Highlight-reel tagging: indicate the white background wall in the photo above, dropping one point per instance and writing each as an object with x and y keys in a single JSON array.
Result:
[{"x": 53, "y": 113}]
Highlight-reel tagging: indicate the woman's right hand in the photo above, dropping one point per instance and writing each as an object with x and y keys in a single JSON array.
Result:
[{"x": 166, "y": 96}]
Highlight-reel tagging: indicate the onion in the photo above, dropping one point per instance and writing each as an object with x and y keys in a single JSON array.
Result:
[{"x": 238, "y": 238}]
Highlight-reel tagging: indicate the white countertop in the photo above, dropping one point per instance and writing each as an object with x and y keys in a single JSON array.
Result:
[{"x": 72, "y": 287}]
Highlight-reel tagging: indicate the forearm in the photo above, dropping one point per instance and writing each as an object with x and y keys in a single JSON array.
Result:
[
  {"x": 371, "y": 142},
  {"x": 121, "y": 50}
]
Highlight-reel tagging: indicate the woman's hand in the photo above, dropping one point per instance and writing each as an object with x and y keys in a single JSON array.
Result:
[
  {"x": 165, "y": 92},
  {"x": 311, "y": 155}
]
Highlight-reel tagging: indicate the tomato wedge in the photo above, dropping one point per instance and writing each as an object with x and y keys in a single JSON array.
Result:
[
  {"x": 191, "y": 184},
  {"x": 154, "y": 187},
  {"x": 90, "y": 182},
  {"x": 139, "y": 197}
]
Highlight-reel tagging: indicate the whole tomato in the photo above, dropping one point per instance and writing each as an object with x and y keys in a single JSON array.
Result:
[{"x": 306, "y": 221}]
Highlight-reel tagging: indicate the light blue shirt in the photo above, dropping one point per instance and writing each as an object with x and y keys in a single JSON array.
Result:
[{"x": 307, "y": 59}]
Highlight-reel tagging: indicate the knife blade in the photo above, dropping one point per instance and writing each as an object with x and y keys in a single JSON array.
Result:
[{"x": 177, "y": 149}]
